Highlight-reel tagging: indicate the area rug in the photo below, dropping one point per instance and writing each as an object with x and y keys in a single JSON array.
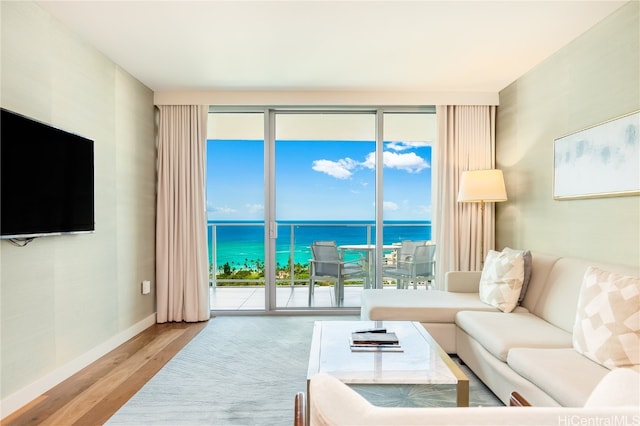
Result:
[{"x": 246, "y": 370}]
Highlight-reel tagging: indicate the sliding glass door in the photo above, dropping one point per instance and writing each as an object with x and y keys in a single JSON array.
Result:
[
  {"x": 324, "y": 191},
  {"x": 408, "y": 145},
  {"x": 280, "y": 179},
  {"x": 235, "y": 210}
]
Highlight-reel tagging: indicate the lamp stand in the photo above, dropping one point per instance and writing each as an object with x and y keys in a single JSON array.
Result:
[{"x": 481, "y": 234}]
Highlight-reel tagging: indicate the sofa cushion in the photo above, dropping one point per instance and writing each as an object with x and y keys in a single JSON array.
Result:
[
  {"x": 619, "y": 388},
  {"x": 607, "y": 327},
  {"x": 502, "y": 278},
  {"x": 563, "y": 374},
  {"x": 423, "y": 306},
  {"x": 556, "y": 298},
  {"x": 541, "y": 266},
  {"x": 527, "y": 259},
  {"x": 498, "y": 332}
]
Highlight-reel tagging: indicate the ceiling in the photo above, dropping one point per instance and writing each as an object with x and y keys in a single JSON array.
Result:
[{"x": 421, "y": 46}]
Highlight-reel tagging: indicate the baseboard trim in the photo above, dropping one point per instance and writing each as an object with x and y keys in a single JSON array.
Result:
[{"x": 17, "y": 400}]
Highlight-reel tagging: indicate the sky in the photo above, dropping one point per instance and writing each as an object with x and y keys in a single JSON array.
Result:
[{"x": 318, "y": 180}]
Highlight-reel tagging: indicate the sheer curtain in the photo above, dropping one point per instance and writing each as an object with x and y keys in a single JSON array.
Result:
[
  {"x": 466, "y": 141},
  {"x": 181, "y": 226}
]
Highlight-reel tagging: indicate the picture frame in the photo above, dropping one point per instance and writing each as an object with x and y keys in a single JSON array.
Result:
[{"x": 599, "y": 161}]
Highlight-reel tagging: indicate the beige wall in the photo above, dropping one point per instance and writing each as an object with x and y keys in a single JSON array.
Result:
[
  {"x": 64, "y": 296},
  {"x": 593, "y": 79}
]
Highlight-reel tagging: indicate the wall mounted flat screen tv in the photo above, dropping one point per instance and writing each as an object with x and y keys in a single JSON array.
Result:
[{"x": 47, "y": 179}]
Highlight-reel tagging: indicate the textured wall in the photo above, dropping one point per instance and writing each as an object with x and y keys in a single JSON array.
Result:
[
  {"x": 593, "y": 79},
  {"x": 63, "y": 296}
]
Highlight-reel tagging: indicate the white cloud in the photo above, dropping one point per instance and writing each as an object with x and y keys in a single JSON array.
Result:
[
  {"x": 410, "y": 161},
  {"x": 254, "y": 208},
  {"x": 425, "y": 210},
  {"x": 370, "y": 161},
  {"x": 401, "y": 146},
  {"x": 223, "y": 210},
  {"x": 343, "y": 168},
  {"x": 340, "y": 169},
  {"x": 389, "y": 206}
]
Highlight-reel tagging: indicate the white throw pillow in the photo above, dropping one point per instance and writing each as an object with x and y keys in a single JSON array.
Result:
[
  {"x": 501, "y": 279},
  {"x": 526, "y": 255},
  {"x": 607, "y": 326}
]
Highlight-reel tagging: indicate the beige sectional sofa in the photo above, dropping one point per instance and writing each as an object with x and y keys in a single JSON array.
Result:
[{"x": 530, "y": 350}]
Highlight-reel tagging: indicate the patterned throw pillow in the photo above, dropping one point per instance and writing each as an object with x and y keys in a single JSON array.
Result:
[
  {"x": 501, "y": 279},
  {"x": 607, "y": 326}
]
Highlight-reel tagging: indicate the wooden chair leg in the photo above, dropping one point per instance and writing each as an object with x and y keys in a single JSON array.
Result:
[
  {"x": 300, "y": 410},
  {"x": 517, "y": 400}
]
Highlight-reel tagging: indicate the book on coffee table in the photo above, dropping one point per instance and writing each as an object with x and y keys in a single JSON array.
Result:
[
  {"x": 362, "y": 338},
  {"x": 378, "y": 348},
  {"x": 375, "y": 341}
]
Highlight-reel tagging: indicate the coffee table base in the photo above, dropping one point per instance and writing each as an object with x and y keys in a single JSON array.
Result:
[{"x": 418, "y": 396}]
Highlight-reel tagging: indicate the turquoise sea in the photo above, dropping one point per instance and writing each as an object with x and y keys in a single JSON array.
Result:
[{"x": 241, "y": 243}]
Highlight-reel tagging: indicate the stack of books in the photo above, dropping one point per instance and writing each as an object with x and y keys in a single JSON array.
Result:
[{"x": 375, "y": 340}]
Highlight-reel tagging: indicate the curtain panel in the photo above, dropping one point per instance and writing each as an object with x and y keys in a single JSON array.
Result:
[
  {"x": 182, "y": 281},
  {"x": 466, "y": 141}
]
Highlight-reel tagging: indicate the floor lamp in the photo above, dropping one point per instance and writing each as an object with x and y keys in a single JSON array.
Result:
[{"x": 482, "y": 186}]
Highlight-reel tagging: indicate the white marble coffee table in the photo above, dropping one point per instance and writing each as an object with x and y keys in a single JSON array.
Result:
[{"x": 422, "y": 360}]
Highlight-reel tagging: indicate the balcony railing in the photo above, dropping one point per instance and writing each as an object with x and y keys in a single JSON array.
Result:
[{"x": 236, "y": 249}]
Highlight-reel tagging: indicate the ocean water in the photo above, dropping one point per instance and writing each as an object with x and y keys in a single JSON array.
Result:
[{"x": 241, "y": 244}]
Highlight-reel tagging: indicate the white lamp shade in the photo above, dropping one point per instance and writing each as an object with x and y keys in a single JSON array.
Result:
[{"x": 482, "y": 185}]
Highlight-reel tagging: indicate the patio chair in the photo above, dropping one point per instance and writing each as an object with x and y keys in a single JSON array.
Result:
[
  {"x": 403, "y": 254},
  {"x": 327, "y": 265},
  {"x": 419, "y": 265}
]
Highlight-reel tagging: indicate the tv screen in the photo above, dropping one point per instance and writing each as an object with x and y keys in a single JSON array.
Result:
[{"x": 46, "y": 185}]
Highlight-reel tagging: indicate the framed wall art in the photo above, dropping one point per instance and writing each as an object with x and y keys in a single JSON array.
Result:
[{"x": 600, "y": 161}]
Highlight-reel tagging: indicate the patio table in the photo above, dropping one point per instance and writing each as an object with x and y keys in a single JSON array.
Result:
[{"x": 369, "y": 249}]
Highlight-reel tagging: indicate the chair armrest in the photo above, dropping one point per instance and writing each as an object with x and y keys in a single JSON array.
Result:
[
  {"x": 462, "y": 281},
  {"x": 300, "y": 410},
  {"x": 326, "y": 262},
  {"x": 517, "y": 400},
  {"x": 334, "y": 262}
]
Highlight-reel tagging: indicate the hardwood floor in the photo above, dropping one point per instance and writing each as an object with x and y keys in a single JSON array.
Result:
[{"x": 94, "y": 394}]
